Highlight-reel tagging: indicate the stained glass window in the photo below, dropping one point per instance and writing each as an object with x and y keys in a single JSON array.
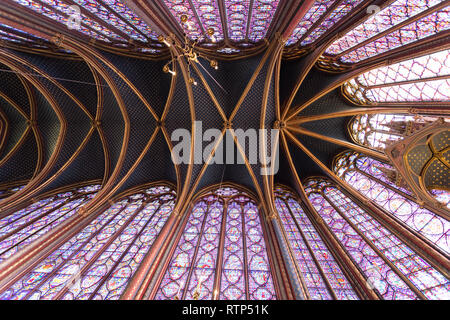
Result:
[
  {"x": 183, "y": 8},
  {"x": 221, "y": 253},
  {"x": 389, "y": 29},
  {"x": 15, "y": 35},
  {"x": 377, "y": 130},
  {"x": 60, "y": 12},
  {"x": 262, "y": 15},
  {"x": 321, "y": 274},
  {"x": 98, "y": 262},
  {"x": 425, "y": 78},
  {"x": 119, "y": 7},
  {"x": 132, "y": 26},
  {"x": 330, "y": 11},
  {"x": 24, "y": 226},
  {"x": 390, "y": 266},
  {"x": 237, "y": 19},
  {"x": 7, "y": 191},
  {"x": 441, "y": 195},
  {"x": 368, "y": 177},
  {"x": 246, "y": 20}
]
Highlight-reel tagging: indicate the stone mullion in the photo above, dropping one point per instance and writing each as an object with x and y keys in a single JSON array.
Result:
[
  {"x": 311, "y": 252},
  {"x": 51, "y": 274},
  {"x": 194, "y": 257},
  {"x": 119, "y": 260},
  {"x": 374, "y": 248},
  {"x": 299, "y": 274},
  {"x": 219, "y": 259}
]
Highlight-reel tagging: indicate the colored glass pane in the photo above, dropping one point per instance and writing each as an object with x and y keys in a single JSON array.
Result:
[
  {"x": 372, "y": 246},
  {"x": 228, "y": 221},
  {"x": 421, "y": 220},
  {"x": 311, "y": 252},
  {"x": 316, "y": 12},
  {"x": 351, "y": 48},
  {"x": 24, "y": 226}
]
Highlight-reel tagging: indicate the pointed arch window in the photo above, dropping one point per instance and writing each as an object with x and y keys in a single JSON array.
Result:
[
  {"x": 390, "y": 266},
  {"x": 221, "y": 253},
  {"x": 368, "y": 176},
  {"x": 24, "y": 226},
  {"x": 401, "y": 23},
  {"x": 321, "y": 273},
  {"x": 425, "y": 78},
  {"x": 99, "y": 260}
]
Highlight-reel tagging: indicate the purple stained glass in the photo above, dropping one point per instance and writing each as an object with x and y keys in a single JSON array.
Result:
[
  {"x": 433, "y": 227},
  {"x": 392, "y": 15},
  {"x": 337, "y": 14},
  {"x": 424, "y": 67},
  {"x": 179, "y": 8},
  {"x": 437, "y": 90},
  {"x": 260, "y": 278},
  {"x": 233, "y": 273},
  {"x": 417, "y": 79},
  {"x": 349, "y": 50},
  {"x": 422, "y": 275},
  {"x": 303, "y": 239},
  {"x": 208, "y": 11},
  {"x": 374, "y": 168},
  {"x": 99, "y": 261},
  {"x": 311, "y": 275},
  {"x": 174, "y": 282},
  {"x": 24, "y": 226},
  {"x": 59, "y": 11},
  {"x": 110, "y": 18},
  {"x": 205, "y": 263},
  {"x": 263, "y": 12},
  {"x": 192, "y": 272},
  {"x": 237, "y": 19},
  {"x": 125, "y": 12},
  {"x": 335, "y": 213}
]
